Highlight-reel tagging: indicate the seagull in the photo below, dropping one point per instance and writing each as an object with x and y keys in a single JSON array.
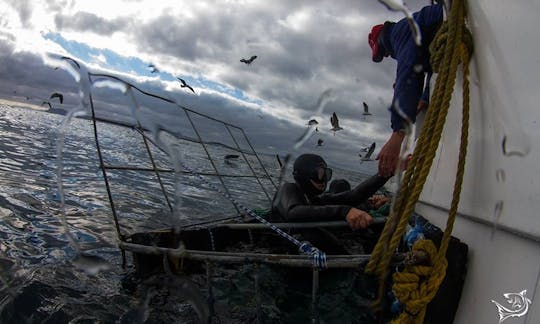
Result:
[
  {"x": 248, "y": 61},
  {"x": 320, "y": 142},
  {"x": 185, "y": 85},
  {"x": 366, "y": 109},
  {"x": 335, "y": 123},
  {"x": 153, "y": 68},
  {"x": 59, "y": 96},
  {"x": 230, "y": 157},
  {"x": 48, "y": 103},
  {"x": 312, "y": 122},
  {"x": 369, "y": 152}
]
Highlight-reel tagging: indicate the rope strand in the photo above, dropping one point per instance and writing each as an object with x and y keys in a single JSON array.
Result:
[{"x": 416, "y": 286}]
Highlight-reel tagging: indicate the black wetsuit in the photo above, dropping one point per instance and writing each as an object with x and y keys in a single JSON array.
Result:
[{"x": 291, "y": 204}]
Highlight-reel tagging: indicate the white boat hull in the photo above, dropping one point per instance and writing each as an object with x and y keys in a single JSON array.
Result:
[{"x": 500, "y": 202}]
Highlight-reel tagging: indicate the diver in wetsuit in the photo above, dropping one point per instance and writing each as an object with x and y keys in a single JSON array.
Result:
[{"x": 305, "y": 200}]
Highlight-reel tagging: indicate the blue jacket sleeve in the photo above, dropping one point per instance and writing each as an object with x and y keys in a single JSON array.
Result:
[{"x": 413, "y": 62}]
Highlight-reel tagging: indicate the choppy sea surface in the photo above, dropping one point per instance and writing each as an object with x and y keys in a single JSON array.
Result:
[{"x": 43, "y": 279}]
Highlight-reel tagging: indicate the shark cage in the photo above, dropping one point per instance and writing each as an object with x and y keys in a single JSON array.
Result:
[{"x": 190, "y": 197}]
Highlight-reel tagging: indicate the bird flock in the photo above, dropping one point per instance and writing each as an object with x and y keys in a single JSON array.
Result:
[
  {"x": 334, "y": 120},
  {"x": 183, "y": 84}
]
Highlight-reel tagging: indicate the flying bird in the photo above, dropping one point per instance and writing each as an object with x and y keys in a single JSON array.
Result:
[
  {"x": 370, "y": 151},
  {"x": 185, "y": 85},
  {"x": 335, "y": 123},
  {"x": 153, "y": 68},
  {"x": 312, "y": 122},
  {"x": 59, "y": 96},
  {"x": 249, "y": 61},
  {"x": 320, "y": 142},
  {"x": 230, "y": 157},
  {"x": 366, "y": 109},
  {"x": 47, "y": 103}
]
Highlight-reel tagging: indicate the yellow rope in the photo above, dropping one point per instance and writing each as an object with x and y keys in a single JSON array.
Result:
[{"x": 451, "y": 46}]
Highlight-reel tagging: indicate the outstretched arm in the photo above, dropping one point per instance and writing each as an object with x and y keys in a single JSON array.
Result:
[
  {"x": 357, "y": 195},
  {"x": 389, "y": 155},
  {"x": 292, "y": 206}
]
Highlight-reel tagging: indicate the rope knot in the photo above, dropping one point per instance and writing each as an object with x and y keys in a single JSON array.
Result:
[
  {"x": 415, "y": 286},
  {"x": 319, "y": 257}
]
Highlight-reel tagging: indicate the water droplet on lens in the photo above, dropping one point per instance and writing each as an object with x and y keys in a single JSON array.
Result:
[
  {"x": 326, "y": 96},
  {"x": 90, "y": 264},
  {"x": 500, "y": 175},
  {"x": 497, "y": 212},
  {"x": 516, "y": 145},
  {"x": 113, "y": 84}
]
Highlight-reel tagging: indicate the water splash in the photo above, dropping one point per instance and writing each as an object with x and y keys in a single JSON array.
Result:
[
  {"x": 399, "y": 5},
  {"x": 325, "y": 96}
]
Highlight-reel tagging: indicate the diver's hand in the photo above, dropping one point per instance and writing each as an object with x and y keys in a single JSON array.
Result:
[
  {"x": 357, "y": 218},
  {"x": 377, "y": 201},
  {"x": 389, "y": 155}
]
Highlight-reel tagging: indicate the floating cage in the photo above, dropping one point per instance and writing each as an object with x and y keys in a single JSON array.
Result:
[{"x": 186, "y": 240}]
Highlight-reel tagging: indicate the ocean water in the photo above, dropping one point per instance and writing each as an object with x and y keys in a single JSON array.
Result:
[{"x": 43, "y": 279}]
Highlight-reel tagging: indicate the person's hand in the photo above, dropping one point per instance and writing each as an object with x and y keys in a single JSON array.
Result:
[
  {"x": 422, "y": 104},
  {"x": 377, "y": 201},
  {"x": 389, "y": 155},
  {"x": 357, "y": 218}
]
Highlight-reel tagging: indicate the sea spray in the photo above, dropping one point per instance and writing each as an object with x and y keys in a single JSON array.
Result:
[{"x": 91, "y": 264}]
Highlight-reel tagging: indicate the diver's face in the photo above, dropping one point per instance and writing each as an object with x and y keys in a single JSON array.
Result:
[
  {"x": 321, "y": 178},
  {"x": 320, "y": 186}
]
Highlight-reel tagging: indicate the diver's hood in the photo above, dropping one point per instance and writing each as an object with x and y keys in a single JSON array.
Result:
[{"x": 306, "y": 168}]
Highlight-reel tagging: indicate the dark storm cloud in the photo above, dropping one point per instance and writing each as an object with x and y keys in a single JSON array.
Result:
[{"x": 25, "y": 75}]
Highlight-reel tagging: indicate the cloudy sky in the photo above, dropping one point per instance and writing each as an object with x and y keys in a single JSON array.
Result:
[{"x": 303, "y": 48}]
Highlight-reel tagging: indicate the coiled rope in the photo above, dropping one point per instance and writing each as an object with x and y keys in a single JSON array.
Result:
[{"x": 416, "y": 286}]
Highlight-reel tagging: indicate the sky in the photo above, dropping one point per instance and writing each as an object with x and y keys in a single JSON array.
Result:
[{"x": 307, "y": 52}]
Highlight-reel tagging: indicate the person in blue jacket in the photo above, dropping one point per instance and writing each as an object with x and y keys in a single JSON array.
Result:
[
  {"x": 305, "y": 200},
  {"x": 395, "y": 39}
]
